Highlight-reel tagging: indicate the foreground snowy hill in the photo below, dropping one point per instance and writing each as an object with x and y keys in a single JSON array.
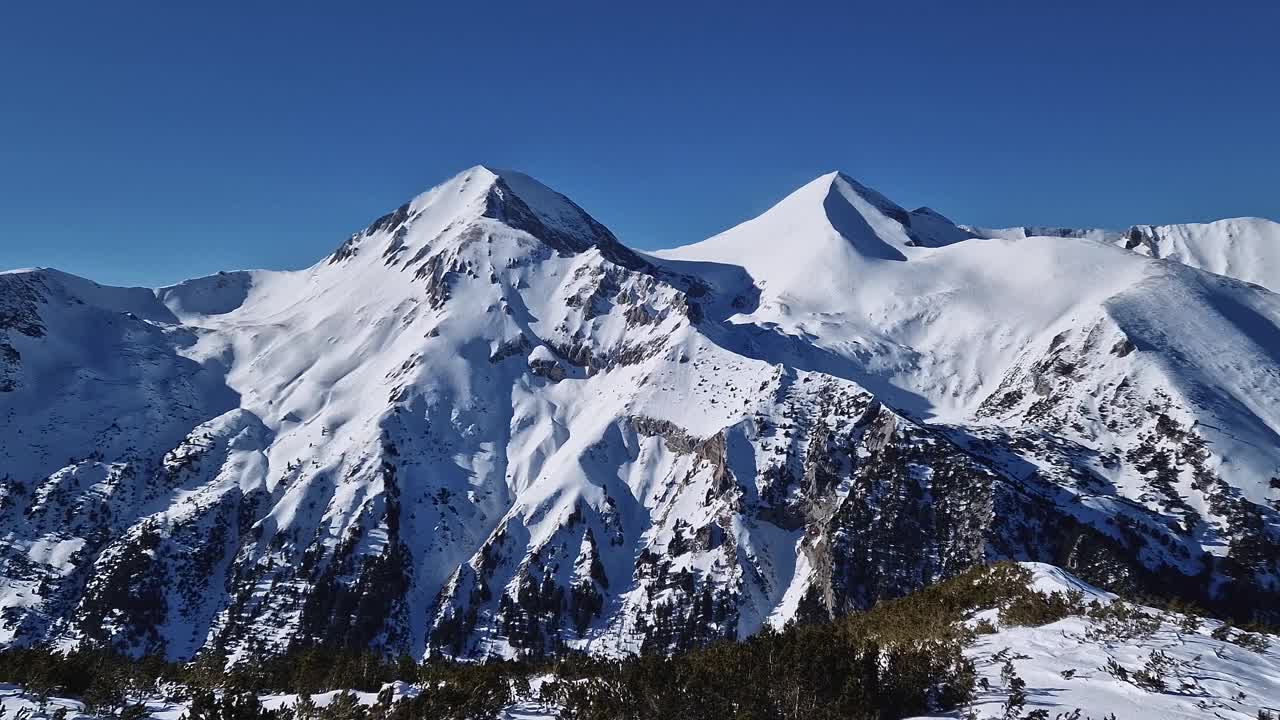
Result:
[
  {"x": 1131, "y": 661},
  {"x": 484, "y": 427}
]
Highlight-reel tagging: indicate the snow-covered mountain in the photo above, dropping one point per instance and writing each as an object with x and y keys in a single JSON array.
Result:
[
  {"x": 1246, "y": 248},
  {"x": 483, "y": 426},
  {"x": 1021, "y": 231}
]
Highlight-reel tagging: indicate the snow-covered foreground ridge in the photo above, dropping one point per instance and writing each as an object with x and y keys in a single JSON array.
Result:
[
  {"x": 485, "y": 427},
  {"x": 1121, "y": 659}
]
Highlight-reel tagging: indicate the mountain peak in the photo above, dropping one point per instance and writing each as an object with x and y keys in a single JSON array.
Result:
[
  {"x": 809, "y": 245},
  {"x": 521, "y": 202},
  {"x": 845, "y": 184},
  {"x": 806, "y": 249},
  {"x": 509, "y": 197}
]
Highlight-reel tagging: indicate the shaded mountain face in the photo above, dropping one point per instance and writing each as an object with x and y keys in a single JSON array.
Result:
[{"x": 484, "y": 427}]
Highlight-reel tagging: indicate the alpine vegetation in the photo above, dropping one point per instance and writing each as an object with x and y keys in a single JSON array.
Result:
[{"x": 1004, "y": 641}]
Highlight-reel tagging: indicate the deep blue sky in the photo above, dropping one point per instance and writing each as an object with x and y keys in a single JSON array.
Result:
[{"x": 144, "y": 142}]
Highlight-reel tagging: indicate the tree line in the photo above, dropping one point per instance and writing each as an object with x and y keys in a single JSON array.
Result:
[{"x": 901, "y": 658}]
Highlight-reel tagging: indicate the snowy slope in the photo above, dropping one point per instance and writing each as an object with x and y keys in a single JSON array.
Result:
[
  {"x": 484, "y": 427},
  {"x": 947, "y": 332},
  {"x": 1148, "y": 382},
  {"x": 1065, "y": 664},
  {"x": 1246, "y": 248},
  {"x": 1243, "y": 248}
]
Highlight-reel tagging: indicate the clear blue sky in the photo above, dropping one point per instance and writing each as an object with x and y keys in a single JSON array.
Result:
[{"x": 144, "y": 142}]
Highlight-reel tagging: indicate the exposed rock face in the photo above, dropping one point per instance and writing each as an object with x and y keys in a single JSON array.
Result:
[
  {"x": 483, "y": 427},
  {"x": 20, "y": 297}
]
